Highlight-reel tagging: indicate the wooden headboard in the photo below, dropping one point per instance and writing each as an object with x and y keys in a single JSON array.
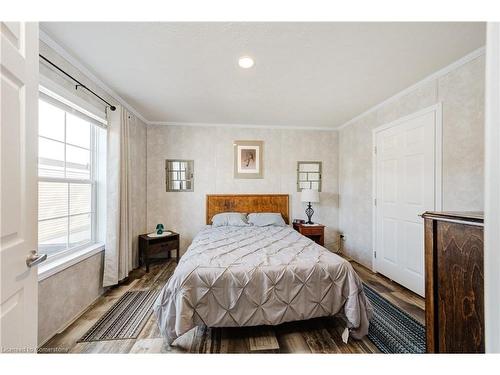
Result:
[{"x": 218, "y": 203}]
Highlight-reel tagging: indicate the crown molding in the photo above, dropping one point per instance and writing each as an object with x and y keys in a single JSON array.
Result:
[
  {"x": 77, "y": 64},
  {"x": 436, "y": 75},
  {"x": 227, "y": 125},
  {"x": 44, "y": 37}
]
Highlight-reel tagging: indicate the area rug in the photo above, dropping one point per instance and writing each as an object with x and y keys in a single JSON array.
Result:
[
  {"x": 393, "y": 330},
  {"x": 125, "y": 319}
]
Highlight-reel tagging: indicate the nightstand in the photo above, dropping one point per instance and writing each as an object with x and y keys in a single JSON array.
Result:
[
  {"x": 157, "y": 248},
  {"x": 315, "y": 232}
]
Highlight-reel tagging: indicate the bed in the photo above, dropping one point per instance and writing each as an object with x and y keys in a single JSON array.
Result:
[{"x": 248, "y": 276}]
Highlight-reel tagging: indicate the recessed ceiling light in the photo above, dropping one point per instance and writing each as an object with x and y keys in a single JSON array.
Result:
[{"x": 245, "y": 62}]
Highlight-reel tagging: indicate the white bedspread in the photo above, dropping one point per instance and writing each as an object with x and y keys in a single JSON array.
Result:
[{"x": 248, "y": 276}]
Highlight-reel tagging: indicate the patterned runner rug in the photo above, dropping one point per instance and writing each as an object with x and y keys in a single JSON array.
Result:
[
  {"x": 125, "y": 319},
  {"x": 391, "y": 329}
]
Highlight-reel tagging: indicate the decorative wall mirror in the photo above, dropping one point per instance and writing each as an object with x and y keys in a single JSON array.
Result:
[
  {"x": 309, "y": 175},
  {"x": 180, "y": 175}
]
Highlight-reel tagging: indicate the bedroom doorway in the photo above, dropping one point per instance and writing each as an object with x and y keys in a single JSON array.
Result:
[{"x": 407, "y": 182}]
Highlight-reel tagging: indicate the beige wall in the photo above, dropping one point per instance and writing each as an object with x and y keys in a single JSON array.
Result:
[
  {"x": 461, "y": 93},
  {"x": 211, "y": 148},
  {"x": 65, "y": 295}
]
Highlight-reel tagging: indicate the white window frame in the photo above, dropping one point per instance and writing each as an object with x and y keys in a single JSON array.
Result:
[{"x": 68, "y": 256}]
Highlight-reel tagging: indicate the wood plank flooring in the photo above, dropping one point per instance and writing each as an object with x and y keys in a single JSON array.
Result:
[
  {"x": 321, "y": 335},
  {"x": 398, "y": 295}
]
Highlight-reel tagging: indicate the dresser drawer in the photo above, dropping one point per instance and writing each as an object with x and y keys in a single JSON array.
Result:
[
  {"x": 170, "y": 245},
  {"x": 162, "y": 247},
  {"x": 311, "y": 230}
]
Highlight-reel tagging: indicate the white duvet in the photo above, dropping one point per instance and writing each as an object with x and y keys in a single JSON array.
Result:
[{"x": 248, "y": 276}]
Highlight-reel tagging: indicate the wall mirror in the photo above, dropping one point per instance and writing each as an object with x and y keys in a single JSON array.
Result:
[
  {"x": 180, "y": 175},
  {"x": 309, "y": 175}
]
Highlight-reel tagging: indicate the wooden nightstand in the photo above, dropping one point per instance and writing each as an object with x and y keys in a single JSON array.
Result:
[
  {"x": 315, "y": 232},
  {"x": 151, "y": 248}
]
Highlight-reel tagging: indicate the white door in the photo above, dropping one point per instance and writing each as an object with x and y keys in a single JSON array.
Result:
[
  {"x": 18, "y": 196},
  {"x": 405, "y": 160}
]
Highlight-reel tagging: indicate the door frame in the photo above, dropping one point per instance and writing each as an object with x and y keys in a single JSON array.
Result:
[
  {"x": 438, "y": 164},
  {"x": 492, "y": 189}
]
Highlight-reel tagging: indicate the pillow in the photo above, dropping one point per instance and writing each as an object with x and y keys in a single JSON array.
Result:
[
  {"x": 263, "y": 219},
  {"x": 235, "y": 219}
]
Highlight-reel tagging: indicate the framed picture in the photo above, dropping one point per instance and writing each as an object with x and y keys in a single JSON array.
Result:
[{"x": 248, "y": 160}]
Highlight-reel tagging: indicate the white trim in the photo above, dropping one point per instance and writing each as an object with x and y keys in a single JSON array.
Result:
[
  {"x": 438, "y": 165},
  {"x": 64, "y": 179},
  {"x": 492, "y": 191},
  {"x": 440, "y": 73},
  {"x": 46, "y": 270},
  {"x": 438, "y": 157},
  {"x": 44, "y": 37},
  {"x": 374, "y": 194},
  {"x": 224, "y": 125}
]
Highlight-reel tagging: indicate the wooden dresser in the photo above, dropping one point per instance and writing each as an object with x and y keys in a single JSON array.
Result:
[{"x": 454, "y": 284}]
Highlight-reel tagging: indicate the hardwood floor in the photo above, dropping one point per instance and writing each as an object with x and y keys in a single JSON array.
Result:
[
  {"x": 313, "y": 336},
  {"x": 398, "y": 295}
]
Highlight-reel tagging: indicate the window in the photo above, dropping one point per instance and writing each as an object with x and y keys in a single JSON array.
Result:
[
  {"x": 180, "y": 175},
  {"x": 67, "y": 170},
  {"x": 309, "y": 175}
]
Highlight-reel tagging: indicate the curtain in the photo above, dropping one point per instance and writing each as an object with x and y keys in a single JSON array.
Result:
[{"x": 119, "y": 255}]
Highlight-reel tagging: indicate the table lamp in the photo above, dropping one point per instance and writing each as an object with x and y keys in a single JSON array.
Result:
[{"x": 309, "y": 196}]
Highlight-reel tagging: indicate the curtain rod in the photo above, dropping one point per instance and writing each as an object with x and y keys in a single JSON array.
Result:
[{"x": 79, "y": 84}]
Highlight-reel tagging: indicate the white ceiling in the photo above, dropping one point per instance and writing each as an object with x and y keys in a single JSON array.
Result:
[{"x": 305, "y": 74}]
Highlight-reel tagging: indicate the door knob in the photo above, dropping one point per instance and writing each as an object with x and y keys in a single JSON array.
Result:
[{"x": 34, "y": 258}]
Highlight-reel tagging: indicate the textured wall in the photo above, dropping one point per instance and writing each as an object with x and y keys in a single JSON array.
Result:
[
  {"x": 211, "y": 148},
  {"x": 461, "y": 93},
  {"x": 65, "y": 295}
]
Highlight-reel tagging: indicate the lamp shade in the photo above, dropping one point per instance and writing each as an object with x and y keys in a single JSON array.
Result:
[{"x": 309, "y": 195}]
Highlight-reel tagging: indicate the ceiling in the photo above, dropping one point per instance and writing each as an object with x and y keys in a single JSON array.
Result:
[{"x": 305, "y": 74}]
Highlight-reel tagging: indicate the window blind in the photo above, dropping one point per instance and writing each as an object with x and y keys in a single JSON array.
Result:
[{"x": 67, "y": 106}]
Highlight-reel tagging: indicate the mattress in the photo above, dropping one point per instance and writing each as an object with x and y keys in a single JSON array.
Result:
[{"x": 249, "y": 276}]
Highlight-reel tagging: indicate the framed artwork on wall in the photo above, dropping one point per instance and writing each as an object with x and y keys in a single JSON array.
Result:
[{"x": 248, "y": 161}]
